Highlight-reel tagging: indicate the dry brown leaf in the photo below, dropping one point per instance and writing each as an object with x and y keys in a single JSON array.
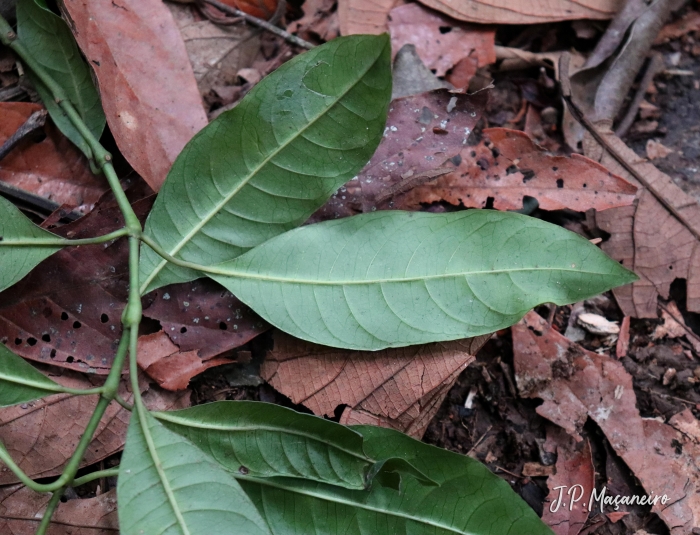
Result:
[
  {"x": 399, "y": 387},
  {"x": 525, "y": 11},
  {"x": 577, "y": 384},
  {"x": 674, "y": 326},
  {"x": 52, "y": 167},
  {"x": 149, "y": 93},
  {"x": 320, "y": 20},
  {"x": 21, "y": 510},
  {"x": 440, "y": 42},
  {"x": 655, "y": 150},
  {"x": 648, "y": 239},
  {"x": 574, "y": 467},
  {"x": 510, "y": 166},
  {"x": 364, "y": 16},
  {"x": 623, "y": 340},
  {"x": 690, "y": 22},
  {"x": 41, "y": 435}
]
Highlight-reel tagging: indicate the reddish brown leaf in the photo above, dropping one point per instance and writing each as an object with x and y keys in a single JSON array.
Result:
[
  {"x": 577, "y": 384},
  {"x": 149, "y": 93},
  {"x": 320, "y": 20},
  {"x": 525, "y": 11},
  {"x": 21, "y": 510},
  {"x": 399, "y": 388},
  {"x": 440, "y": 42},
  {"x": 623, "y": 340},
  {"x": 364, "y": 16},
  {"x": 566, "y": 506},
  {"x": 42, "y": 435},
  {"x": 52, "y": 168},
  {"x": 509, "y": 166},
  {"x": 263, "y": 9},
  {"x": 690, "y": 22}
]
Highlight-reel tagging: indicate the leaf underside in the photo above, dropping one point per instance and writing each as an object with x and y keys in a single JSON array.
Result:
[
  {"x": 390, "y": 279},
  {"x": 265, "y": 166},
  {"x": 20, "y": 381},
  {"x": 51, "y": 43}
]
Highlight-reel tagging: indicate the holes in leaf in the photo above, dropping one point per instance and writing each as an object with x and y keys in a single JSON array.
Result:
[
  {"x": 70, "y": 359},
  {"x": 104, "y": 318},
  {"x": 64, "y": 316},
  {"x": 31, "y": 341},
  {"x": 18, "y": 341},
  {"x": 183, "y": 330},
  {"x": 223, "y": 326},
  {"x": 77, "y": 325},
  {"x": 560, "y": 183},
  {"x": 52, "y": 354},
  {"x": 46, "y": 338}
]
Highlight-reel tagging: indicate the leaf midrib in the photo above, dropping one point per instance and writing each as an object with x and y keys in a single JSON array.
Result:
[{"x": 250, "y": 175}]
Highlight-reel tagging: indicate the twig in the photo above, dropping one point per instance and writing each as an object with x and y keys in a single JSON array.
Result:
[
  {"x": 10, "y": 92},
  {"x": 36, "y": 202},
  {"x": 410, "y": 183},
  {"x": 656, "y": 63},
  {"x": 480, "y": 440},
  {"x": 34, "y": 122},
  {"x": 508, "y": 472},
  {"x": 680, "y": 322},
  {"x": 260, "y": 24}
]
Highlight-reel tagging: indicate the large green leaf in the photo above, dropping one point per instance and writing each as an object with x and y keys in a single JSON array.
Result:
[
  {"x": 18, "y": 255},
  {"x": 168, "y": 486},
  {"x": 265, "y": 440},
  {"x": 51, "y": 43},
  {"x": 470, "y": 499},
  {"x": 267, "y": 165},
  {"x": 392, "y": 278},
  {"x": 20, "y": 382}
]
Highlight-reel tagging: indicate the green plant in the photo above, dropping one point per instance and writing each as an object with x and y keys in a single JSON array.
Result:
[{"x": 229, "y": 210}]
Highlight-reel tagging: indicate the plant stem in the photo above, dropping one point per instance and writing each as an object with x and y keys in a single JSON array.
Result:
[
  {"x": 110, "y": 472},
  {"x": 62, "y": 242},
  {"x": 48, "y": 512}
]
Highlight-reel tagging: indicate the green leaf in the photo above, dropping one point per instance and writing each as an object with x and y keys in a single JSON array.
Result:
[
  {"x": 470, "y": 499},
  {"x": 167, "y": 485},
  {"x": 18, "y": 254},
  {"x": 51, "y": 43},
  {"x": 20, "y": 381},
  {"x": 390, "y": 279},
  {"x": 265, "y": 166}
]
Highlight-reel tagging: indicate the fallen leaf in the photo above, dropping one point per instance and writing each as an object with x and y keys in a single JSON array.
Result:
[
  {"x": 537, "y": 470},
  {"x": 364, "y": 16},
  {"x": 508, "y": 166},
  {"x": 320, "y": 20},
  {"x": 656, "y": 150},
  {"x": 616, "y": 517},
  {"x": 401, "y": 387},
  {"x": 21, "y": 510},
  {"x": 149, "y": 93},
  {"x": 262, "y": 9},
  {"x": 524, "y": 11},
  {"x": 597, "y": 324},
  {"x": 623, "y": 340},
  {"x": 42, "y": 435},
  {"x": 52, "y": 167},
  {"x": 690, "y": 22},
  {"x": 566, "y": 506},
  {"x": 576, "y": 384},
  {"x": 440, "y": 42},
  {"x": 674, "y": 326}
]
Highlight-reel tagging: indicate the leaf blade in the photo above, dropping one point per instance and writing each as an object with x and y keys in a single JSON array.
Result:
[
  {"x": 20, "y": 381},
  {"x": 265, "y": 166},
  {"x": 362, "y": 283}
]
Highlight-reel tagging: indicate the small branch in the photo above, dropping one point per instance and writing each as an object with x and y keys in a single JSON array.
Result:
[
  {"x": 410, "y": 183},
  {"x": 62, "y": 242},
  {"x": 111, "y": 472},
  {"x": 655, "y": 65},
  {"x": 37, "y": 203},
  {"x": 34, "y": 122},
  {"x": 260, "y": 23},
  {"x": 48, "y": 512}
]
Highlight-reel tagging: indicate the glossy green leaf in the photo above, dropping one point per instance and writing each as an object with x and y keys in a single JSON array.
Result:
[
  {"x": 393, "y": 278},
  {"x": 469, "y": 500},
  {"x": 265, "y": 440},
  {"x": 168, "y": 486},
  {"x": 51, "y": 43},
  {"x": 20, "y": 381},
  {"x": 18, "y": 252},
  {"x": 265, "y": 166}
]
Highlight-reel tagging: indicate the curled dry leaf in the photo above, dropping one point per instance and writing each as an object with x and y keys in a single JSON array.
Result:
[
  {"x": 149, "y": 93},
  {"x": 42, "y": 435},
  {"x": 574, "y": 470},
  {"x": 52, "y": 167},
  {"x": 441, "y": 42},
  {"x": 576, "y": 384},
  {"x": 690, "y": 22},
  {"x": 509, "y": 166},
  {"x": 364, "y": 16},
  {"x": 21, "y": 510},
  {"x": 320, "y": 20},
  {"x": 400, "y": 388},
  {"x": 525, "y": 11},
  {"x": 597, "y": 324}
]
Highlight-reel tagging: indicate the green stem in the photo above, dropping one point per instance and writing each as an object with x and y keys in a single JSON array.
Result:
[
  {"x": 110, "y": 472},
  {"x": 48, "y": 512},
  {"x": 182, "y": 263},
  {"x": 62, "y": 242}
]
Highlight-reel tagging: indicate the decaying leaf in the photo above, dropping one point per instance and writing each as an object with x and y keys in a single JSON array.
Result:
[
  {"x": 41, "y": 435},
  {"x": 149, "y": 93},
  {"x": 577, "y": 384},
  {"x": 320, "y": 20},
  {"x": 525, "y": 11},
  {"x": 400, "y": 388},
  {"x": 566, "y": 506},
  {"x": 508, "y": 166},
  {"x": 674, "y": 326},
  {"x": 364, "y": 16},
  {"x": 52, "y": 167},
  {"x": 21, "y": 510},
  {"x": 441, "y": 42}
]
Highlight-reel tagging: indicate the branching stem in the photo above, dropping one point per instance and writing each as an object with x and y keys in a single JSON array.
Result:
[{"x": 63, "y": 242}]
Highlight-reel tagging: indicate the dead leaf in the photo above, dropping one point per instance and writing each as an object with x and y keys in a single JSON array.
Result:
[
  {"x": 616, "y": 516},
  {"x": 41, "y": 435},
  {"x": 623, "y": 340},
  {"x": 52, "y": 167},
  {"x": 21, "y": 509},
  {"x": 597, "y": 324},
  {"x": 537, "y": 470},
  {"x": 440, "y": 42},
  {"x": 690, "y": 22},
  {"x": 566, "y": 506},
  {"x": 262, "y": 9},
  {"x": 400, "y": 388},
  {"x": 674, "y": 326},
  {"x": 656, "y": 150},
  {"x": 525, "y": 11},
  {"x": 364, "y": 16},
  {"x": 320, "y": 20},
  {"x": 509, "y": 166},
  {"x": 149, "y": 93},
  {"x": 577, "y": 384}
]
